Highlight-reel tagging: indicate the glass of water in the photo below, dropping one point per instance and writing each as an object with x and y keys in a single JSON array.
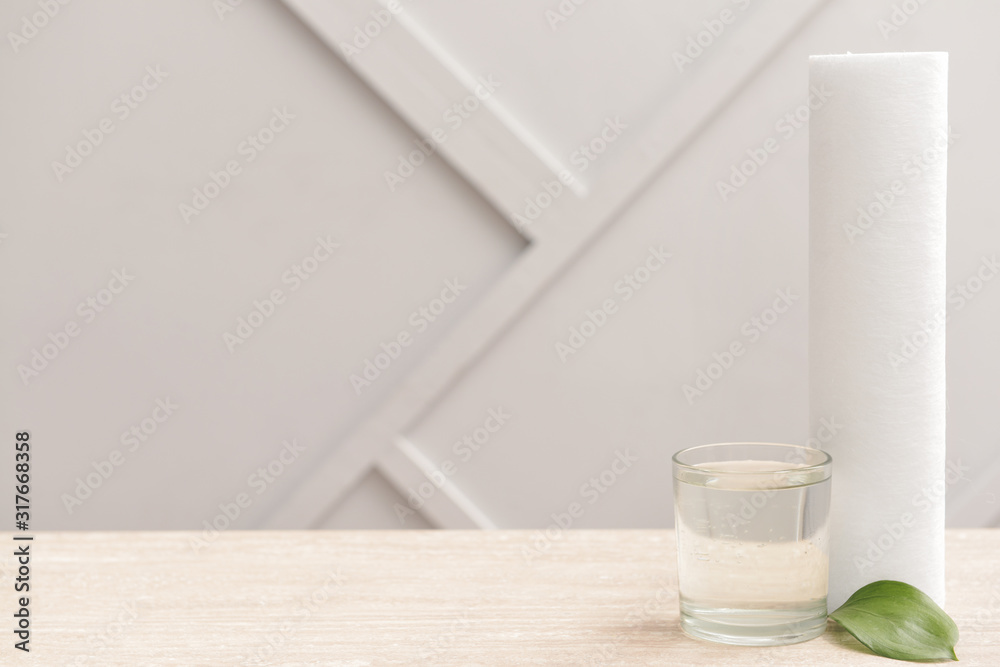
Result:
[{"x": 752, "y": 523}]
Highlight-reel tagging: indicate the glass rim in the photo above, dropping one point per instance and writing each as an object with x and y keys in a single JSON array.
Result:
[{"x": 826, "y": 462}]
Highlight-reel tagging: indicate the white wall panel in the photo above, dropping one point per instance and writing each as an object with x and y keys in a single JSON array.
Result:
[
  {"x": 568, "y": 224},
  {"x": 494, "y": 348}
]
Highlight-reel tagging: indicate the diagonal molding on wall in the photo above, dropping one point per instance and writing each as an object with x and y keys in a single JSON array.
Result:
[
  {"x": 569, "y": 225},
  {"x": 414, "y": 76},
  {"x": 427, "y": 490}
]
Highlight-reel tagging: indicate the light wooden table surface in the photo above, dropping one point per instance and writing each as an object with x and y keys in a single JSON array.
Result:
[{"x": 409, "y": 598}]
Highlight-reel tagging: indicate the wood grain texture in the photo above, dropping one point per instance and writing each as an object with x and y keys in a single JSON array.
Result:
[{"x": 411, "y": 597}]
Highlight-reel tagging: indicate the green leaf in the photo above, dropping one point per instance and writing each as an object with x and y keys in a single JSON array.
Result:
[{"x": 896, "y": 620}]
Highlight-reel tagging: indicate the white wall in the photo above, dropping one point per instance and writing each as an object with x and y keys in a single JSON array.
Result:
[{"x": 493, "y": 347}]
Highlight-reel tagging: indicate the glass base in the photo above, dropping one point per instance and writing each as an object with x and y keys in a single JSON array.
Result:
[{"x": 754, "y": 627}]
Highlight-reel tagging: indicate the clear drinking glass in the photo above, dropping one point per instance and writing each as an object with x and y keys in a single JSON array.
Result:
[{"x": 752, "y": 523}]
